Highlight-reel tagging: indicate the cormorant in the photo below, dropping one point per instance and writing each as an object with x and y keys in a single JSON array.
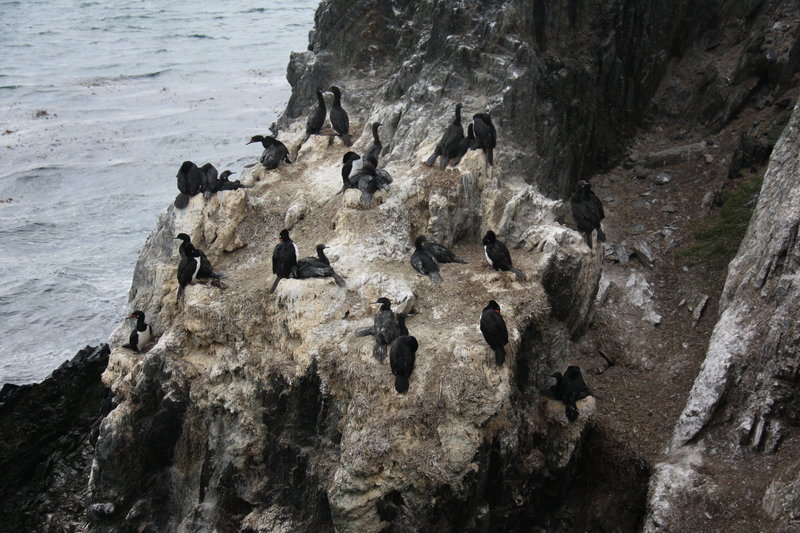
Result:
[
  {"x": 352, "y": 164},
  {"x": 485, "y": 134},
  {"x": 587, "y": 212},
  {"x": 385, "y": 328},
  {"x": 374, "y": 151},
  {"x": 401, "y": 326},
  {"x": 317, "y": 118},
  {"x": 339, "y": 120},
  {"x": 223, "y": 184},
  {"x": 401, "y": 361},
  {"x": 423, "y": 262},
  {"x": 450, "y": 144},
  {"x": 274, "y": 151},
  {"x": 284, "y": 259},
  {"x": 189, "y": 178},
  {"x": 141, "y": 334},
  {"x": 494, "y": 331},
  {"x": 186, "y": 248},
  {"x": 497, "y": 255},
  {"x": 208, "y": 180},
  {"x": 188, "y": 269},
  {"x": 441, "y": 253},
  {"x": 570, "y": 388},
  {"x": 317, "y": 267}
]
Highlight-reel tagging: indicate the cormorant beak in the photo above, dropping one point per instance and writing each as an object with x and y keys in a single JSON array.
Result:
[{"x": 250, "y": 142}]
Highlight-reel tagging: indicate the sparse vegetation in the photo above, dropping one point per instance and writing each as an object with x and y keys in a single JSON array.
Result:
[{"x": 717, "y": 237}]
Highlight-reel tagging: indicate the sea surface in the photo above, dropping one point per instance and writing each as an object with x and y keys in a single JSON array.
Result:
[{"x": 100, "y": 102}]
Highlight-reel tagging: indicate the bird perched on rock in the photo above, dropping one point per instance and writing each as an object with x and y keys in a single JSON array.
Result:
[
  {"x": 208, "y": 180},
  {"x": 498, "y": 256},
  {"x": 587, "y": 210},
  {"x": 317, "y": 267},
  {"x": 141, "y": 334},
  {"x": 189, "y": 179},
  {"x": 494, "y": 331},
  {"x": 450, "y": 144},
  {"x": 401, "y": 360},
  {"x": 441, "y": 253},
  {"x": 188, "y": 269},
  {"x": 485, "y": 135},
  {"x": 186, "y": 248},
  {"x": 385, "y": 328},
  {"x": 568, "y": 389},
  {"x": 274, "y": 151},
  {"x": 224, "y": 184},
  {"x": 423, "y": 262},
  {"x": 317, "y": 117},
  {"x": 339, "y": 120},
  {"x": 352, "y": 164},
  {"x": 284, "y": 259},
  {"x": 402, "y": 329},
  {"x": 374, "y": 151}
]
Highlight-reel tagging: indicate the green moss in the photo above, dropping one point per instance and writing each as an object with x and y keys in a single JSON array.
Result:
[{"x": 717, "y": 237}]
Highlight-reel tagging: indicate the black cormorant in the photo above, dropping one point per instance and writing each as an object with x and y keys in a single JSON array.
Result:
[
  {"x": 385, "y": 328},
  {"x": 401, "y": 361},
  {"x": 374, "y": 151},
  {"x": 141, "y": 334},
  {"x": 189, "y": 178},
  {"x": 423, "y": 262},
  {"x": 485, "y": 134},
  {"x": 450, "y": 144},
  {"x": 224, "y": 184},
  {"x": 441, "y": 253},
  {"x": 208, "y": 180},
  {"x": 317, "y": 118},
  {"x": 494, "y": 331},
  {"x": 570, "y": 388},
  {"x": 188, "y": 269},
  {"x": 274, "y": 151},
  {"x": 284, "y": 259},
  {"x": 587, "y": 210},
  {"x": 498, "y": 256},
  {"x": 339, "y": 120},
  {"x": 317, "y": 267}
]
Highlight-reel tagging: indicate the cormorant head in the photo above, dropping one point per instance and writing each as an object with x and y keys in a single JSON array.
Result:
[
  {"x": 350, "y": 156},
  {"x": 284, "y": 235},
  {"x": 335, "y": 90},
  {"x": 385, "y": 303},
  {"x": 572, "y": 372},
  {"x": 183, "y": 237},
  {"x": 186, "y": 167},
  {"x": 137, "y": 315},
  {"x": 494, "y": 306},
  {"x": 419, "y": 240},
  {"x": 225, "y": 174},
  {"x": 375, "y": 126},
  {"x": 583, "y": 185},
  {"x": 321, "y": 247},
  {"x": 459, "y": 106},
  {"x": 489, "y": 238},
  {"x": 256, "y": 139}
]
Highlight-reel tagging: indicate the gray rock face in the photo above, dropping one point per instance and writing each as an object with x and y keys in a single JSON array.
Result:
[{"x": 750, "y": 374}]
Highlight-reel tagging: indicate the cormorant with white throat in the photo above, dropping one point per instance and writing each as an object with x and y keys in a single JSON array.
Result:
[
  {"x": 141, "y": 334},
  {"x": 401, "y": 361},
  {"x": 494, "y": 331},
  {"x": 274, "y": 151},
  {"x": 186, "y": 247},
  {"x": 498, "y": 256},
  {"x": 423, "y": 262},
  {"x": 284, "y": 258},
  {"x": 587, "y": 210}
]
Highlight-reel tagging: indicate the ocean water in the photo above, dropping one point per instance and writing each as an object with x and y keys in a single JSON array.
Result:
[{"x": 100, "y": 102}]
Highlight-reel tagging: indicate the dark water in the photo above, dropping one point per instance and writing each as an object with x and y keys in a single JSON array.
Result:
[{"x": 100, "y": 102}]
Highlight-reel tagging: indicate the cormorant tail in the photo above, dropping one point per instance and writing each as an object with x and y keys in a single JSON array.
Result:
[
  {"x": 457, "y": 259},
  {"x": 365, "y": 332},
  {"x": 182, "y": 200},
  {"x": 347, "y": 140},
  {"x": 443, "y": 162},
  {"x": 571, "y": 412},
  {"x": 275, "y": 285},
  {"x": 217, "y": 275},
  {"x": 490, "y": 156},
  {"x": 379, "y": 352},
  {"x": 338, "y": 279},
  {"x": 401, "y": 384},
  {"x": 519, "y": 273},
  {"x": 432, "y": 159},
  {"x": 500, "y": 355},
  {"x": 128, "y": 346},
  {"x": 588, "y": 238},
  {"x": 601, "y": 237},
  {"x": 435, "y": 277},
  {"x": 180, "y": 294},
  {"x": 286, "y": 158},
  {"x": 366, "y": 197}
]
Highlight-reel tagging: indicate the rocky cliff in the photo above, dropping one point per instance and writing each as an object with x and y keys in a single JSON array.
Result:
[{"x": 264, "y": 412}]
